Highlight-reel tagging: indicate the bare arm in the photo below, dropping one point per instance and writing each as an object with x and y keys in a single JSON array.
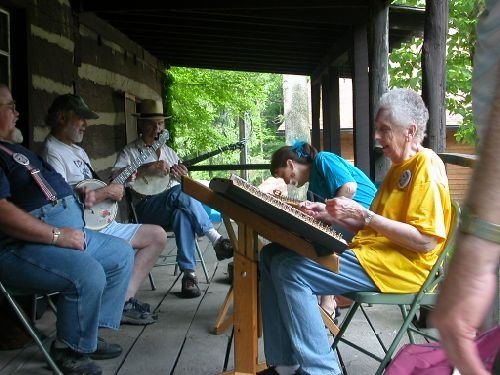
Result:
[
  {"x": 113, "y": 192},
  {"x": 472, "y": 277},
  {"x": 347, "y": 190},
  {"x": 21, "y": 225},
  {"x": 403, "y": 234}
]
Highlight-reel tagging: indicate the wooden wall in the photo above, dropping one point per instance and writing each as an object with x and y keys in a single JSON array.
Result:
[
  {"x": 70, "y": 53},
  {"x": 458, "y": 177}
]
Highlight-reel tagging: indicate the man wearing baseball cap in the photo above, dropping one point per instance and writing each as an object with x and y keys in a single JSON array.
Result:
[{"x": 67, "y": 117}]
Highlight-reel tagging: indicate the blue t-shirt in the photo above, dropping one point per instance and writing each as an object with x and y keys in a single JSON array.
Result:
[
  {"x": 18, "y": 186},
  {"x": 329, "y": 172}
]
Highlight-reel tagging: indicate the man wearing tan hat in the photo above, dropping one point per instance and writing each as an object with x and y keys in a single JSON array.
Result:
[
  {"x": 67, "y": 117},
  {"x": 170, "y": 206}
]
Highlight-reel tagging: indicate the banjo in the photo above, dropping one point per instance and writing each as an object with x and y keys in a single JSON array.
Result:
[
  {"x": 156, "y": 183},
  {"x": 101, "y": 214}
]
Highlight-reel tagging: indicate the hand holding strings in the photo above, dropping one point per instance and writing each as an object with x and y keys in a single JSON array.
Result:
[
  {"x": 347, "y": 213},
  {"x": 160, "y": 166},
  {"x": 87, "y": 197},
  {"x": 178, "y": 170},
  {"x": 317, "y": 210}
]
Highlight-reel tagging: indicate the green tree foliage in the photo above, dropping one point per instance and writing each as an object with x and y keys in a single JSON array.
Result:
[
  {"x": 209, "y": 105},
  {"x": 405, "y": 62}
]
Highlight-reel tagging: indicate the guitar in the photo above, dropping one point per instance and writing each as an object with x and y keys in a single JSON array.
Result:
[
  {"x": 100, "y": 215},
  {"x": 156, "y": 183}
]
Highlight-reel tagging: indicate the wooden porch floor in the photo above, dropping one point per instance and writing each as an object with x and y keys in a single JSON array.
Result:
[{"x": 182, "y": 342}]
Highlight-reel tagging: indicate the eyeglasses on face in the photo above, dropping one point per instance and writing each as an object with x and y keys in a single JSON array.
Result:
[{"x": 11, "y": 105}]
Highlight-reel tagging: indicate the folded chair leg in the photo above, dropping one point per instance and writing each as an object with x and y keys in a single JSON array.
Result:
[
  {"x": 228, "y": 350},
  {"x": 345, "y": 324},
  {"x": 152, "y": 281},
  {"x": 341, "y": 361},
  {"x": 377, "y": 335},
  {"x": 404, "y": 312},
  {"x": 202, "y": 261},
  {"x": 176, "y": 269},
  {"x": 402, "y": 330},
  {"x": 343, "y": 327},
  {"x": 31, "y": 331}
]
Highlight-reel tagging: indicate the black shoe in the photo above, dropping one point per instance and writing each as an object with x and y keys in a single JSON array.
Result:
[
  {"x": 106, "y": 350},
  {"x": 268, "y": 371},
  {"x": 134, "y": 312},
  {"x": 190, "y": 287},
  {"x": 223, "y": 248},
  {"x": 272, "y": 371},
  {"x": 73, "y": 363}
]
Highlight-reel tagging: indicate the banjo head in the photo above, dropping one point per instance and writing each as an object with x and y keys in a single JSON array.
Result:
[
  {"x": 100, "y": 215},
  {"x": 150, "y": 185}
]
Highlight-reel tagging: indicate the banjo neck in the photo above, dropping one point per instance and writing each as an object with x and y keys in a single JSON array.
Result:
[{"x": 207, "y": 155}]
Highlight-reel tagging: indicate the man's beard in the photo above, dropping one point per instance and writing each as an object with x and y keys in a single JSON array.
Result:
[
  {"x": 74, "y": 134},
  {"x": 16, "y": 136}
]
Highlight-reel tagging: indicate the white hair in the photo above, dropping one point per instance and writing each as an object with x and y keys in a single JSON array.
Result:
[{"x": 405, "y": 107}]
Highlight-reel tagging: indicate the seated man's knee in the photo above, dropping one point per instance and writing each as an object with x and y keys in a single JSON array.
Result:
[
  {"x": 89, "y": 275},
  {"x": 156, "y": 235}
]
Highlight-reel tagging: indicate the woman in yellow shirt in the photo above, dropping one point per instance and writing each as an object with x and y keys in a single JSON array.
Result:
[{"x": 395, "y": 246}]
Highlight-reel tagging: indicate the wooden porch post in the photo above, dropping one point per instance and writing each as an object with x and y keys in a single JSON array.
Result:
[
  {"x": 315, "y": 112},
  {"x": 379, "y": 62},
  {"x": 334, "y": 114},
  {"x": 434, "y": 72},
  {"x": 362, "y": 134}
]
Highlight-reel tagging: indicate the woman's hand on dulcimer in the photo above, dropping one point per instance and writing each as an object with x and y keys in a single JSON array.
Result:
[{"x": 317, "y": 210}]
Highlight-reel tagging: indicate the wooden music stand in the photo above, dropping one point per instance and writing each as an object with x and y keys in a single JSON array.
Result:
[
  {"x": 223, "y": 322},
  {"x": 245, "y": 281}
]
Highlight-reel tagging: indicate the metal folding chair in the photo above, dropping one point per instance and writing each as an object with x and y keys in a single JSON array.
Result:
[
  {"x": 408, "y": 303},
  {"x": 29, "y": 328}
]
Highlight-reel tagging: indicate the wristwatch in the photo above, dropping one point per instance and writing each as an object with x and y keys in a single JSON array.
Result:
[
  {"x": 369, "y": 217},
  {"x": 471, "y": 224},
  {"x": 56, "y": 234}
]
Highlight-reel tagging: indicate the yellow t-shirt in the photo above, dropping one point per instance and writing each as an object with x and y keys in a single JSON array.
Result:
[{"x": 415, "y": 192}]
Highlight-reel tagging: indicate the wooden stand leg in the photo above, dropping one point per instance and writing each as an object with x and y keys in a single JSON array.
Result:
[
  {"x": 327, "y": 319},
  {"x": 223, "y": 321},
  {"x": 245, "y": 315}
]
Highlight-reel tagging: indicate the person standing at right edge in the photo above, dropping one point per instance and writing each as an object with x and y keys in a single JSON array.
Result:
[{"x": 472, "y": 276}]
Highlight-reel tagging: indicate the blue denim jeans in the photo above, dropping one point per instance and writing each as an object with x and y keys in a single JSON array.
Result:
[
  {"x": 294, "y": 332},
  {"x": 92, "y": 283},
  {"x": 184, "y": 214}
]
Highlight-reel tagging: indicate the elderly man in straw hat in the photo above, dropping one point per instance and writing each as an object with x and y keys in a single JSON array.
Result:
[
  {"x": 67, "y": 117},
  {"x": 169, "y": 205}
]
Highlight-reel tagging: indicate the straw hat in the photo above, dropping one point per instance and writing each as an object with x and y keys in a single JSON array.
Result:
[{"x": 150, "y": 109}]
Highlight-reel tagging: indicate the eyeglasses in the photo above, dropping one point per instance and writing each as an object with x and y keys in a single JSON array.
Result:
[{"x": 11, "y": 105}]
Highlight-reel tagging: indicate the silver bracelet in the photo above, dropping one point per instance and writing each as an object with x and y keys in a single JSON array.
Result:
[{"x": 471, "y": 224}]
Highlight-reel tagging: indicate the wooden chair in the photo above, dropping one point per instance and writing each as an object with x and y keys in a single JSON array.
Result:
[
  {"x": 408, "y": 303},
  {"x": 28, "y": 326},
  {"x": 163, "y": 259}
]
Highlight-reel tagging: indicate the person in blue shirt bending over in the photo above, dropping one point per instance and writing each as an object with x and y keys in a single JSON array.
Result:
[{"x": 329, "y": 176}]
